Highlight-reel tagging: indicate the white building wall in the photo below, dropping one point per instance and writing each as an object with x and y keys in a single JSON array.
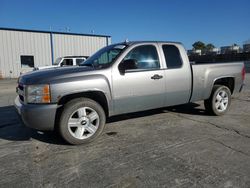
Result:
[
  {"x": 13, "y": 44},
  {"x": 76, "y": 45}
]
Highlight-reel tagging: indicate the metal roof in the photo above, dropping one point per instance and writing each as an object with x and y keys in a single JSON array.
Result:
[{"x": 53, "y": 32}]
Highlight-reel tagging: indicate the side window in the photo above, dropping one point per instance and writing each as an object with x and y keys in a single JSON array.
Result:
[
  {"x": 172, "y": 56},
  {"x": 27, "y": 61},
  {"x": 146, "y": 57},
  {"x": 67, "y": 62},
  {"x": 78, "y": 61}
]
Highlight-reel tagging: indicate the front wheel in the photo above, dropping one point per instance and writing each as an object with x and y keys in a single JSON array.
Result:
[
  {"x": 219, "y": 101},
  {"x": 82, "y": 121}
]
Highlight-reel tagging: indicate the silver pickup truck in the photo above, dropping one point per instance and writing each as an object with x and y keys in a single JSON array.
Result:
[{"x": 122, "y": 78}]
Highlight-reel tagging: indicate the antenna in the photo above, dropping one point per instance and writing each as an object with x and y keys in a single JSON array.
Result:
[{"x": 67, "y": 29}]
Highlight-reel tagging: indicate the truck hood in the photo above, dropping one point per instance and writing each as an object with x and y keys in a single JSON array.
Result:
[{"x": 47, "y": 76}]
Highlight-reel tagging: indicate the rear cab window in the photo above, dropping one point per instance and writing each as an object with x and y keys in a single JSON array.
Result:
[{"x": 172, "y": 56}]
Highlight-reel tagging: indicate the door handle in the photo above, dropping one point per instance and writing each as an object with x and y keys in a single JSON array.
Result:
[{"x": 156, "y": 77}]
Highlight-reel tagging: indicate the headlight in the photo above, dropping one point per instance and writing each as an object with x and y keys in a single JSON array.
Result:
[{"x": 38, "y": 93}]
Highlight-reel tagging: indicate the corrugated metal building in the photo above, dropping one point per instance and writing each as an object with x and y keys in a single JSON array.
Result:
[{"x": 43, "y": 48}]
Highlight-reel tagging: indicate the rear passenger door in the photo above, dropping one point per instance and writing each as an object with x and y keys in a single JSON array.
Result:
[{"x": 177, "y": 74}]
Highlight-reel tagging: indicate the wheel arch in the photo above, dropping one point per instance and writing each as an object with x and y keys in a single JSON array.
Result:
[
  {"x": 96, "y": 95},
  {"x": 225, "y": 81}
]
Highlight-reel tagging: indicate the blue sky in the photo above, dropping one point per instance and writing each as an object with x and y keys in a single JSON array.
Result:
[{"x": 221, "y": 22}]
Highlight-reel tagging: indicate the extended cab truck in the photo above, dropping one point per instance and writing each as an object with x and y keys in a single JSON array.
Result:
[{"x": 122, "y": 78}]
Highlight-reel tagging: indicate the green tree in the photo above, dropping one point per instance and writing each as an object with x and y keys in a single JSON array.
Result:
[
  {"x": 199, "y": 45},
  {"x": 209, "y": 47}
]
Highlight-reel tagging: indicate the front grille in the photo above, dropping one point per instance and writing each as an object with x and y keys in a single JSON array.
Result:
[
  {"x": 20, "y": 86},
  {"x": 20, "y": 92},
  {"x": 21, "y": 98}
]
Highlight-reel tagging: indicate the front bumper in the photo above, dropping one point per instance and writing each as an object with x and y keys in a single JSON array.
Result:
[{"x": 37, "y": 116}]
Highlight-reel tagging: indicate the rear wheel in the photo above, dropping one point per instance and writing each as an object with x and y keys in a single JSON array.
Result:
[
  {"x": 219, "y": 101},
  {"x": 82, "y": 121}
]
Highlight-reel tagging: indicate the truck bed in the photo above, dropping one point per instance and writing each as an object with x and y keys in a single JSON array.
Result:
[{"x": 206, "y": 74}]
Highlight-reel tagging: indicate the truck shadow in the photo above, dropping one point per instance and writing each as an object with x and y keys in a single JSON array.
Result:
[
  {"x": 12, "y": 128},
  {"x": 190, "y": 108}
]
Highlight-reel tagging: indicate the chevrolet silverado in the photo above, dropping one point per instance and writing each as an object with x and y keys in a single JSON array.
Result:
[{"x": 122, "y": 78}]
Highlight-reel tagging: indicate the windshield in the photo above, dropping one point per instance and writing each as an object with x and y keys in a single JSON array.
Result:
[
  {"x": 58, "y": 60},
  {"x": 104, "y": 57}
]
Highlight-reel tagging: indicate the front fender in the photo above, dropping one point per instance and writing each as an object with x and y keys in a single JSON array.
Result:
[{"x": 80, "y": 85}]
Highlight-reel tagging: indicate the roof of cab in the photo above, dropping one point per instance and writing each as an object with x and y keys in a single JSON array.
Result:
[
  {"x": 74, "y": 56},
  {"x": 141, "y": 42}
]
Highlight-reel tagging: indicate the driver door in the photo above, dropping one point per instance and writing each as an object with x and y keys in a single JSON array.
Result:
[{"x": 142, "y": 87}]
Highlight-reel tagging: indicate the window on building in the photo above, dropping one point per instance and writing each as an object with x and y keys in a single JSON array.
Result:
[
  {"x": 27, "y": 61},
  {"x": 172, "y": 56},
  {"x": 146, "y": 57}
]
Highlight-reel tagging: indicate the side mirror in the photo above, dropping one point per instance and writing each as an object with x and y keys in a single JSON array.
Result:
[{"x": 127, "y": 65}]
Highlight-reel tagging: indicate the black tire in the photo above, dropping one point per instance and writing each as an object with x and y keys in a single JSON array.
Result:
[
  {"x": 210, "y": 104},
  {"x": 70, "y": 108}
]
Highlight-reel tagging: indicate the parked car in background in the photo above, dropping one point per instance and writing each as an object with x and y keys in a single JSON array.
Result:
[
  {"x": 65, "y": 61},
  {"x": 122, "y": 78}
]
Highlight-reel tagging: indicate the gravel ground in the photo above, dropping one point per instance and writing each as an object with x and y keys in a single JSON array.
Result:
[{"x": 180, "y": 146}]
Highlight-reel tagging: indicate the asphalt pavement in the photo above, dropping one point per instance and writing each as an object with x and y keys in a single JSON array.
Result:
[{"x": 178, "y": 146}]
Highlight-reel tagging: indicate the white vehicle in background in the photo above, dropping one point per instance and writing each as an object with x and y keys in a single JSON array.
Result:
[{"x": 65, "y": 61}]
